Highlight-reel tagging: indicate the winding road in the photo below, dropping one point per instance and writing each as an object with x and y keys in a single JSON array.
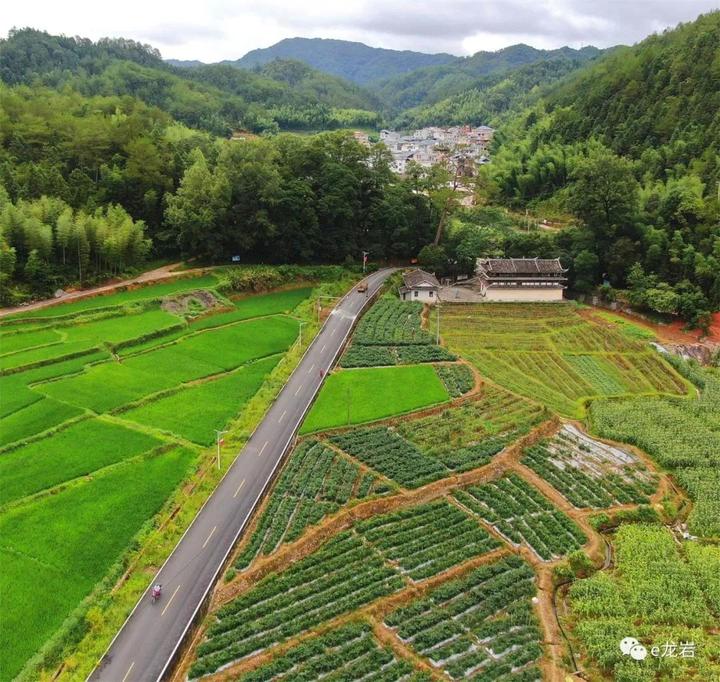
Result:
[{"x": 145, "y": 647}]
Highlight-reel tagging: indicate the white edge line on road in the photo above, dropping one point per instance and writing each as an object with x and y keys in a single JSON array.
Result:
[
  {"x": 127, "y": 674},
  {"x": 244, "y": 523},
  {"x": 167, "y": 606},
  {"x": 212, "y": 532}
]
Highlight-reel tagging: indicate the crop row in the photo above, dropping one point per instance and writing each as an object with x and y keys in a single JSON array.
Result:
[
  {"x": 479, "y": 626},
  {"x": 374, "y": 356},
  {"x": 389, "y": 453},
  {"x": 315, "y": 482},
  {"x": 522, "y": 514},
  {"x": 347, "y": 653},
  {"x": 589, "y": 473},
  {"x": 427, "y": 539},
  {"x": 458, "y": 378},
  {"x": 342, "y": 576}
]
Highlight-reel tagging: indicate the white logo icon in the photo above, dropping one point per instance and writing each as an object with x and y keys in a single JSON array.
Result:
[{"x": 631, "y": 647}]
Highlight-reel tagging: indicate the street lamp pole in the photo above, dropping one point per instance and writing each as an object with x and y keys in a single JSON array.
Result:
[
  {"x": 300, "y": 338},
  {"x": 365, "y": 255},
  {"x": 219, "y": 440}
]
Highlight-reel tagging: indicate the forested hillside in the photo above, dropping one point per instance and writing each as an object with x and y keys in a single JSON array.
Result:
[
  {"x": 352, "y": 61},
  {"x": 631, "y": 145},
  {"x": 215, "y": 98}
]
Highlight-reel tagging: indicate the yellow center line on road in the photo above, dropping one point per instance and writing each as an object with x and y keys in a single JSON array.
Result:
[
  {"x": 282, "y": 416},
  {"x": 127, "y": 674},
  {"x": 299, "y": 389},
  {"x": 262, "y": 449},
  {"x": 209, "y": 536},
  {"x": 167, "y": 606},
  {"x": 242, "y": 483}
]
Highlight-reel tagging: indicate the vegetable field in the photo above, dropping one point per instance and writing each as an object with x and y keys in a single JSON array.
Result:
[
  {"x": 589, "y": 473},
  {"x": 480, "y": 626},
  {"x": 657, "y": 594},
  {"x": 550, "y": 353},
  {"x": 315, "y": 482},
  {"x": 340, "y": 577},
  {"x": 427, "y": 539},
  {"x": 458, "y": 379},
  {"x": 682, "y": 435},
  {"x": 74, "y": 472},
  {"x": 390, "y": 333},
  {"x": 349, "y": 653},
  {"x": 362, "y": 395},
  {"x": 523, "y": 515}
]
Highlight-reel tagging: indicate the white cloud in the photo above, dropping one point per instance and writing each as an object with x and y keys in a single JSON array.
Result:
[{"x": 226, "y": 29}]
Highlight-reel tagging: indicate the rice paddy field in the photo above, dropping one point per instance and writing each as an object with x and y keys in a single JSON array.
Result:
[
  {"x": 552, "y": 354},
  {"x": 105, "y": 407}
]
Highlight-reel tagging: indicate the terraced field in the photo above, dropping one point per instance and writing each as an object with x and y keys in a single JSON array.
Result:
[
  {"x": 106, "y": 403},
  {"x": 552, "y": 354}
]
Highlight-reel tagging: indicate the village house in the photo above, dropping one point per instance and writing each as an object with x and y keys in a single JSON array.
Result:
[
  {"x": 419, "y": 285},
  {"x": 520, "y": 279}
]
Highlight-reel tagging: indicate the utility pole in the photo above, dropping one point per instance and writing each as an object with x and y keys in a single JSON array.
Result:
[
  {"x": 437, "y": 331},
  {"x": 365, "y": 255},
  {"x": 219, "y": 439},
  {"x": 348, "y": 405},
  {"x": 300, "y": 333}
]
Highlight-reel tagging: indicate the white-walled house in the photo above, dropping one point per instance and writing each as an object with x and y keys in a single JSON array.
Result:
[
  {"x": 419, "y": 285},
  {"x": 520, "y": 279}
]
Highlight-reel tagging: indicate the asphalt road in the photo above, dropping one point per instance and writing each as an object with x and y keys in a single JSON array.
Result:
[{"x": 145, "y": 646}]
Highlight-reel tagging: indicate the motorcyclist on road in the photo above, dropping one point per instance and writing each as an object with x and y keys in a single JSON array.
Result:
[{"x": 156, "y": 591}]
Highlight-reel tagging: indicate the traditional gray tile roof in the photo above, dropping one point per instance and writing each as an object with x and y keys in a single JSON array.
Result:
[
  {"x": 419, "y": 278},
  {"x": 520, "y": 266}
]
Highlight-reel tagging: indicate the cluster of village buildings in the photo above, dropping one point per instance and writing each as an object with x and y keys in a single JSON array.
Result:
[{"x": 434, "y": 144}]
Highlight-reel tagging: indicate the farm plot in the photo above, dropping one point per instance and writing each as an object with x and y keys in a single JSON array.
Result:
[
  {"x": 356, "y": 396},
  {"x": 467, "y": 436},
  {"x": 39, "y": 416},
  {"x": 43, "y": 580},
  {"x": 195, "y": 412},
  {"x": 590, "y": 473},
  {"x": 315, "y": 483},
  {"x": 390, "y": 333},
  {"x": 458, "y": 379},
  {"x": 192, "y": 357},
  {"x": 552, "y": 354},
  {"x": 349, "y": 653},
  {"x": 692, "y": 452},
  {"x": 428, "y": 539},
  {"x": 384, "y": 450},
  {"x": 480, "y": 626},
  {"x": 65, "y": 455},
  {"x": 659, "y": 597},
  {"x": 341, "y": 576},
  {"x": 523, "y": 515}
]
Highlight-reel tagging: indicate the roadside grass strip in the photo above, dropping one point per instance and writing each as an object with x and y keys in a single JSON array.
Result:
[
  {"x": 349, "y": 654},
  {"x": 427, "y": 539},
  {"x": 77, "y": 450},
  {"x": 343, "y": 575},
  {"x": 363, "y": 395},
  {"x": 195, "y": 412},
  {"x": 523, "y": 515},
  {"x": 55, "y": 549},
  {"x": 480, "y": 626},
  {"x": 590, "y": 473},
  {"x": 256, "y": 306},
  {"x": 192, "y": 357},
  {"x": 660, "y": 591},
  {"x": 39, "y": 416},
  {"x": 150, "y": 292},
  {"x": 315, "y": 482},
  {"x": 552, "y": 354}
]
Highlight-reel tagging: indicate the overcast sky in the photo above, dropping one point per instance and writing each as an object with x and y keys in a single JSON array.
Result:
[{"x": 211, "y": 30}]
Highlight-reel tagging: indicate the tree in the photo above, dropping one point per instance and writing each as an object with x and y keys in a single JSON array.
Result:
[
  {"x": 586, "y": 266},
  {"x": 37, "y": 273},
  {"x": 433, "y": 258}
]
